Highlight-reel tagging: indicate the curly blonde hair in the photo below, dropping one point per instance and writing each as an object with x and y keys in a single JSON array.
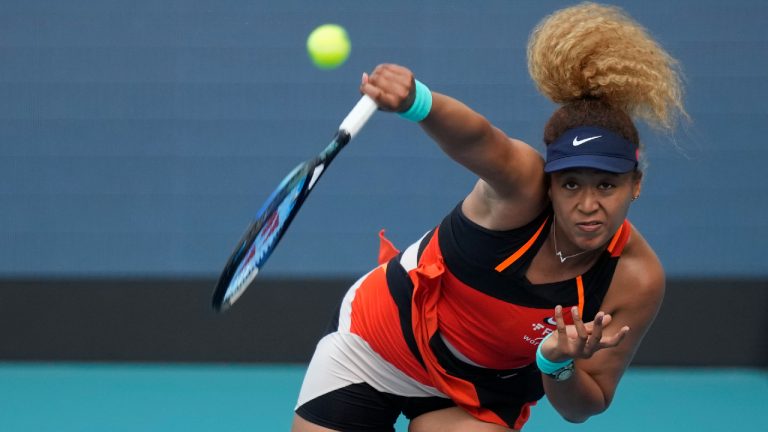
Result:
[{"x": 597, "y": 52}]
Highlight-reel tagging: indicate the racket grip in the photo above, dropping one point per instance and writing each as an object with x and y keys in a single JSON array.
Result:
[{"x": 356, "y": 119}]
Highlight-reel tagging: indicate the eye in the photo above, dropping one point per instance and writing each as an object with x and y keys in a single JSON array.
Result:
[
  {"x": 570, "y": 185},
  {"x": 606, "y": 186}
]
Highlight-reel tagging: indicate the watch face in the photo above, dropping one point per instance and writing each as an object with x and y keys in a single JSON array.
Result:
[{"x": 564, "y": 374}]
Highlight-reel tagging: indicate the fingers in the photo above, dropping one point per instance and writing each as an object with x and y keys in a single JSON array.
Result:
[
  {"x": 595, "y": 339},
  {"x": 562, "y": 351},
  {"x": 562, "y": 334},
  {"x": 391, "y": 86},
  {"x": 614, "y": 340},
  {"x": 582, "y": 340},
  {"x": 375, "y": 93},
  {"x": 581, "y": 330}
]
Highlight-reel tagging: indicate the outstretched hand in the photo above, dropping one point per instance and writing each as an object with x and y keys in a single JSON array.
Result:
[
  {"x": 580, "y": 340},
  {"x": 392, "y": 87}
]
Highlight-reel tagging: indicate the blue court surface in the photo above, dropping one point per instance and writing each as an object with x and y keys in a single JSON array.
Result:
[{"x": 129, "y": 397}]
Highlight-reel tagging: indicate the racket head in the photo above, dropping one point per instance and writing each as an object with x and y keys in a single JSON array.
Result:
[{"x": 262, "y": 235}]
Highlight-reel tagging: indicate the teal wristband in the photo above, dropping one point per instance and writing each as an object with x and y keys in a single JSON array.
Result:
[
  {"x": 422, "y": 103},
  {"x": 547, "y": 366}
]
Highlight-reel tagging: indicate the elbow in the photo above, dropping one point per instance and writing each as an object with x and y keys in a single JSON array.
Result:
[
  {"x": 579, "y": 400},
  {"x": 583, "y": 416},
  {"x": 575, "y": 420},
  {"x": 578, "y": 418}
]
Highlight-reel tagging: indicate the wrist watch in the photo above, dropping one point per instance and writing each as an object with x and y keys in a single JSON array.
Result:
[{"x": 563, "y": 373}]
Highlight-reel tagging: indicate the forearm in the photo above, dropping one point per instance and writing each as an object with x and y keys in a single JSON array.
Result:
[
  {"x": 510, "y": 167},
  {"x": 462, "y": 133},
  {"x": 577, "y": 398}
]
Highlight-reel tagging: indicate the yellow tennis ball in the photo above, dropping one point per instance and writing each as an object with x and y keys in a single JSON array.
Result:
[{"x": 328, "y": 46}]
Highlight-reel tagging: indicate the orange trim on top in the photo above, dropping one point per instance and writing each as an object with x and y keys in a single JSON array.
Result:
[
  {"x": 615, "y": 238},
  {"x": 620, "y": 239},
  {"x": 580, "y": 289},
  {"x": 512, "y": 258}
]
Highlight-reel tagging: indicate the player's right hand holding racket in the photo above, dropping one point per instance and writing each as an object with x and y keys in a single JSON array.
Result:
[{"x": 391, "y": 87}]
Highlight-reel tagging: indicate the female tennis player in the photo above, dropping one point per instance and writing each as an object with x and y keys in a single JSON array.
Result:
[{"x": 535, "y": 284}]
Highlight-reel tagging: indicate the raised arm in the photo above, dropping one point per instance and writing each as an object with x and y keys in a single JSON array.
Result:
[{"x": 511, "y": 190}]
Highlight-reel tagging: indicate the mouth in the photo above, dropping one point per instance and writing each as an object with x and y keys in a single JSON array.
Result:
[{"x": 589, "y": 226}]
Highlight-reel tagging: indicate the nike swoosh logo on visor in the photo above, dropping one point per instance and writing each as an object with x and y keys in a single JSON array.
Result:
[{"x": 577, "y": 142}]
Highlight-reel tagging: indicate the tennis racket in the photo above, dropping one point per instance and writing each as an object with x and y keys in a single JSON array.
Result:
[{"x": 274, "y": 217}]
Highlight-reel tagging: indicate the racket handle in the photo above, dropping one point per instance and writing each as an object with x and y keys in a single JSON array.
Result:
[{"x": 356, "y": 119}]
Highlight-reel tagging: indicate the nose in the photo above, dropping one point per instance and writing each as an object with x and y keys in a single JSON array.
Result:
[{"x": 588, "y": 201}]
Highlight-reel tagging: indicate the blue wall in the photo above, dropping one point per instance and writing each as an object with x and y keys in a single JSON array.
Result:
[{"x": 138, "y": 138}]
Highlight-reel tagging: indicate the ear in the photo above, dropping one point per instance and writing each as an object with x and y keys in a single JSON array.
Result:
[{"x": 637, "y": 184}]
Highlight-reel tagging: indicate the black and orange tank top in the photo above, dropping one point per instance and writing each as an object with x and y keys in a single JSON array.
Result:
[
  {"x": 473, "y": 321},
  {"x": 488, "y": 310}
]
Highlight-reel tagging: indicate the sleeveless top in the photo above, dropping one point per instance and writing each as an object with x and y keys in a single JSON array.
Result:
[{"x": 470, "y": 319}]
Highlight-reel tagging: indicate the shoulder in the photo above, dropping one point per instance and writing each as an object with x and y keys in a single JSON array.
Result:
[
  {"x": 639, "y": 261},
  {"x": 513, "y": 195},
  {"x": 639, "y": 279}
]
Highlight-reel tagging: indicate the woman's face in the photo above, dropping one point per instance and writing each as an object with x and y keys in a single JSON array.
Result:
[{"x": 590, "y": 205}]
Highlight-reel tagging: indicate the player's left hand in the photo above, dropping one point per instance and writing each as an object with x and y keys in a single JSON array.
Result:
[{"x": 580, "y": 340}]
